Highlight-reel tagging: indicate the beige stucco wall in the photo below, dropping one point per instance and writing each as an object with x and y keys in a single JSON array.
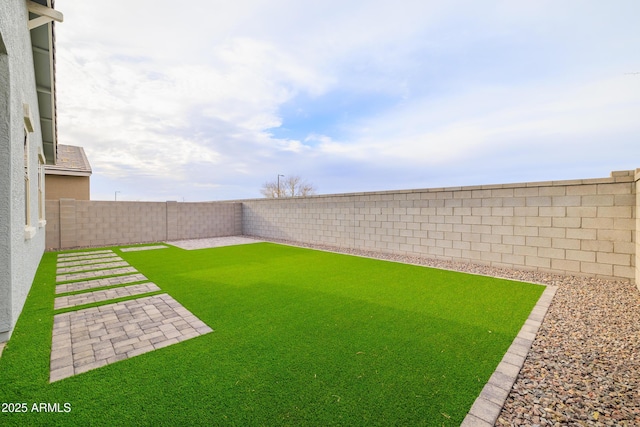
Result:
[
  {"x": 585, "y": 227},
  {"x": 69, "y": 187}
]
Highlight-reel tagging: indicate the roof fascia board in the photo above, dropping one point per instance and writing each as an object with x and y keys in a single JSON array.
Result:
[{"x": 66, "y": 172}]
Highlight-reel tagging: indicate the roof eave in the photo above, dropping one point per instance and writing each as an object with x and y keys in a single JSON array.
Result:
[
  {"x": 52, "y": 170},
  {"x": 41, "y": 25}
]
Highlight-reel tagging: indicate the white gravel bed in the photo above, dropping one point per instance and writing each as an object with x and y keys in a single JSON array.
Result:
[{"x": 584, "y": 365}]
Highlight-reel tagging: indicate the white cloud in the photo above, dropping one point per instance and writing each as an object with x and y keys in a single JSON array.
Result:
[{"x": 165, "y": 97}]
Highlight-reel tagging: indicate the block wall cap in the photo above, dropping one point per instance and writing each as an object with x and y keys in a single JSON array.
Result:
[
  {"x": 622, "y": 173},
  {"x": 616, "y": 177},
  {"x": 626, "y": 178}
]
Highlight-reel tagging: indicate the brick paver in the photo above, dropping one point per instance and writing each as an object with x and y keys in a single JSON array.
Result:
[
  {"x": 94, "y": 274},
  {"x": 73, "y": 262},
  {"x": 105, "y": 295},
  {"x": 95, "y": 337},
  {"x": 72, "y": 255},
  {"x": 100, "y": 283},
  {"x": 89, "y": 267}
]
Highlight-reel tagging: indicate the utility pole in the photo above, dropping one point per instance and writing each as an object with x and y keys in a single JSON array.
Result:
[
  {"x": 116, "y": 195},
  {"x": 279, "y": 184}
]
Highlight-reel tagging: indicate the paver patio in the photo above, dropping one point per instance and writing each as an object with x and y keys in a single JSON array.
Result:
[{"x": 95, "y": 337}]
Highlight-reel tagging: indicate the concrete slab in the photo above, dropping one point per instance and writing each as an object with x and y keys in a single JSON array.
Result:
[
  {"x": 143, "y": 248},
  {"x": 213, "y": 242}
]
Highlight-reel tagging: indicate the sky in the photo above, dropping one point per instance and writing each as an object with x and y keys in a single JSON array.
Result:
[{"x": 208, "y": 99}]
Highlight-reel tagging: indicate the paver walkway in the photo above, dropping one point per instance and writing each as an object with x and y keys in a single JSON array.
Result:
[{"x": 93, "y": 337}]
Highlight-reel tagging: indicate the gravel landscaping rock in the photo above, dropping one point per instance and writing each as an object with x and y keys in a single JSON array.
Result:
[{"x": 584, "y": 366}]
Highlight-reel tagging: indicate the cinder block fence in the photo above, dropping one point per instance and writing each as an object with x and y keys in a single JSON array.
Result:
[
  {"x": 79, "y": 223},
  {"x": 584, "y": 227}
]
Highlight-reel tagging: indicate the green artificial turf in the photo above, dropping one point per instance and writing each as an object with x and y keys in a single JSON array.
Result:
[{"x": 301, "y": 337}]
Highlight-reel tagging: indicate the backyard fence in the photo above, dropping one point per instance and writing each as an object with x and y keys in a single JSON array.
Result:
[
  {"x": 80, "y": 223},
  {"x": 582, "y": 227}
]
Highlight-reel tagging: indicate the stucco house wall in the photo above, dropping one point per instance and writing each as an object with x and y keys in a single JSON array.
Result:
[{"x": 20, "y": 249}]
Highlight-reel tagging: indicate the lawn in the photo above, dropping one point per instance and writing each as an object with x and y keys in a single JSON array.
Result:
[{"x": 302, "y": 337}]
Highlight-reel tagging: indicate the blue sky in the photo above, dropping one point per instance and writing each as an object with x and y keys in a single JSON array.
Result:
[{"x": 209, "y": 101}]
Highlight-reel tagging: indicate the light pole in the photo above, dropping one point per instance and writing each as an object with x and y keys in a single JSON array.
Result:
[
  {"x": 116, "y": 195},
  {"x": 279, "y": 184}
]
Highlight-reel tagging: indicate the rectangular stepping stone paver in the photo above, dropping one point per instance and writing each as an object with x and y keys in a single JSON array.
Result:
[
  {"x": 74, "y": 262},
  {"x": 105, "y": 295},
  {"x": 94, "y": 274},
  {"x": 83, "y": 257},
  {"x": 88, "y": 339},
  {"x": 143, "y": 248},
  {"x": 76, "y": 254},
  {"x": 99, "y": 283},
  {"x": 89, "y": 267}
]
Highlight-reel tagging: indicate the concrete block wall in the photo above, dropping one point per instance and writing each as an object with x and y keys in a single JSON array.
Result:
[
  {"x": 52, "y": 233},
  {"x": 79, "y": 223},
  {"x": 200, "y": 220},
  {"x": 637, "y": 236},
  {"x": 584, "y": 227}
]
